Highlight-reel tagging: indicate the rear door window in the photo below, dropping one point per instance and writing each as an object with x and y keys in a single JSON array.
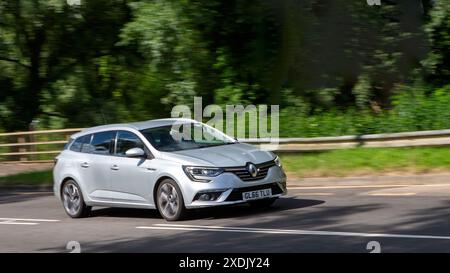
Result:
[{"x": 102, "y": 143}]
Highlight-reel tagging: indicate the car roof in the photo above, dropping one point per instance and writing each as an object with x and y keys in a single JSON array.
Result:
[{"x": 141, "y": 125}]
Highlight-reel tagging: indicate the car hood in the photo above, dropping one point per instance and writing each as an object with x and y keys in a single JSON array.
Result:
[{"x": 230, "y": 155}]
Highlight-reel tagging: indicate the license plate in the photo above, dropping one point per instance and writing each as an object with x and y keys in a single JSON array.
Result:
[{"x": 252, "y": 195}]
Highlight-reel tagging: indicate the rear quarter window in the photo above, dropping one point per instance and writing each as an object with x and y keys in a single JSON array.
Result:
[
  {"x": 81, "y": 144},
  {"x": 67, "y": 145}
]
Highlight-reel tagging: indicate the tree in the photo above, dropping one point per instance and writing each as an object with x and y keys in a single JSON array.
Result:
[
  {"x": 44, "y": 43},
  {"x": 29, "y": 30},
  {"x": 437, "y": 63}
]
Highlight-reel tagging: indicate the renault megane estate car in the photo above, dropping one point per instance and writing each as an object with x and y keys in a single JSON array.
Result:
[{"x": 155, "y": 164}]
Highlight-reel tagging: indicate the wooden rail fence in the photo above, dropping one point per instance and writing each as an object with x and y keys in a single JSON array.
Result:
[
  {"x": 42, "y": 146},
  {"x": 33, "y": 146}
]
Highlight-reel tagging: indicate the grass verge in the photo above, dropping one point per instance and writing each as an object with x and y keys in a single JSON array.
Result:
[
  {"x": 367, "y": 161},
  {"x": 37, "y": 178}
]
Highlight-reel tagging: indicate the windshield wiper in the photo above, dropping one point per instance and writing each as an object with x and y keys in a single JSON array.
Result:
[{"x": 214, "y": 145}]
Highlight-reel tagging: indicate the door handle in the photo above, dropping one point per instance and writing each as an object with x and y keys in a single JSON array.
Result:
[
  {"x": 85, "y": 165},
  {"x": 114, "y": 167}
]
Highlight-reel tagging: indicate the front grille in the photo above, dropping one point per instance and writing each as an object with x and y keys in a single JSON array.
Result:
[
  {"x": 236, "y": 194},
  {"x": 244, "y": 175}
]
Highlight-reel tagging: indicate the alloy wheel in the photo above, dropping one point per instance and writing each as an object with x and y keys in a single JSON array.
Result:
[
  {"x": 168, "y": 200},
  {"x": 71, "y": 198}
]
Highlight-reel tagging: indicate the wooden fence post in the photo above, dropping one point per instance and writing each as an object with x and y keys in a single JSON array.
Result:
[
  {"x": 32, "y": 137},
  {"x": 12, "y": 149},
  {"x": 21, "y": 139}
]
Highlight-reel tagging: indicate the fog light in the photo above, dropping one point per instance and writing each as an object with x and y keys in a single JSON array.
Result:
[
  {"x": 208, "y": 196},
  {"x": 204, "y": 197}
]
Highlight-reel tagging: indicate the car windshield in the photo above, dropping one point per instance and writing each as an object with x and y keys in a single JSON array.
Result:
[{"x": 185, "y": 136}]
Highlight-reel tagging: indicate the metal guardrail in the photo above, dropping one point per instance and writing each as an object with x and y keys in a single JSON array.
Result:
[
  {"x": 26, "y": 147},
  {"x": 404, "y": 139}
]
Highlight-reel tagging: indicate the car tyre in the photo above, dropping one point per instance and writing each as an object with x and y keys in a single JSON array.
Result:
[
  {"x": 169, "y": 200},
  {"x": 73, "y": 201}
]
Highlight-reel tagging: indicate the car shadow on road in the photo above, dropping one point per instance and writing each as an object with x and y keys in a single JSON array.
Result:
[
  {"x": 232, "y": 211},
  {"x": 243, "y": 210},
  {"x": 124, "y": 213}
]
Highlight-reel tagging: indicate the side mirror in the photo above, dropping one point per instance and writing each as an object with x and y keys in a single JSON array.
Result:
[{"x": 135, "y": 152}]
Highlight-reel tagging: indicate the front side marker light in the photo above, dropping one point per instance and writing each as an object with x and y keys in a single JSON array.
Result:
[{"x": 277, "y": 162}]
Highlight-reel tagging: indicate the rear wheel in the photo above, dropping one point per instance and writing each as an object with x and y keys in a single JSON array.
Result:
[
  {"x": 170, "y": 201},
  {"x": 73, "y": 201},
  {"x": 263, "y": 203}
]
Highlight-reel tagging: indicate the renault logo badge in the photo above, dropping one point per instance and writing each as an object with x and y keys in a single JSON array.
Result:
[{"x": 252, "y": 170}]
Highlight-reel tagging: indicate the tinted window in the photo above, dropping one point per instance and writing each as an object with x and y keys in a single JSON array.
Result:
[
  {"x": 81, "y": 143},
  {"x": 102, "y": 142},
  {"x": 127, "y": 140}
]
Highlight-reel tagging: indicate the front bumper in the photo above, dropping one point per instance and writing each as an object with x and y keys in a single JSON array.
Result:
[{"x": 231, "y": 188}]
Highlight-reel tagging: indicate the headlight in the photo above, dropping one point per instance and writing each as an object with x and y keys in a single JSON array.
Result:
[
  {"x": 277, "y": 161},
  {"x": 201, "y": 174}
]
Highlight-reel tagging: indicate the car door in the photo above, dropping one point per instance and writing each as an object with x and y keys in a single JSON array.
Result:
[
  {"x": 96, "y": 167},
  {"x": 132, "y": 179},
  {"x": 82, "y": 160}
]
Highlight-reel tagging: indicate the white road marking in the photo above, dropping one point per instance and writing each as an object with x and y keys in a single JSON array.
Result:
[
  {"x": 345, "y": 187},
  {"x": 363, "y": 186},
  {"x": 393, "y": 194},
  {"x": 23, "y": 221},
  {"x": 30, "y": 220},
  {"x": 16, "y": 223},
  {"x": 315, "y": 193},
  {"x": 287, "y": 231}
]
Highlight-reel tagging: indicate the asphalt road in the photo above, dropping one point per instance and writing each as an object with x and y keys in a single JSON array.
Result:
[{"x": 397, "y": 218}]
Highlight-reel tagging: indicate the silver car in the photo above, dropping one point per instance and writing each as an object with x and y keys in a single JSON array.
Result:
[{"x": 163, "y": 164}]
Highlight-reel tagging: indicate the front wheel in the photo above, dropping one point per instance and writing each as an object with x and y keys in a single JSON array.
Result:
[
  {"x": 263, "y": 203},
  {"x": 170, "y": 201},
  {"x": 73, "y": 201}
]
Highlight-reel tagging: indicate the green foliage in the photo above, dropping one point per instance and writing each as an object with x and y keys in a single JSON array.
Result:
[
  {"x": 361, "y": 90},
  {"x": 229, "y": 90},
  {"x": 57, "y": 66},
  {"x": 413, "y": 110},
  {"x": 339, "y": 67},
  {"x": 437, "y": 63},
  {"x": 168, "y": 44}
]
